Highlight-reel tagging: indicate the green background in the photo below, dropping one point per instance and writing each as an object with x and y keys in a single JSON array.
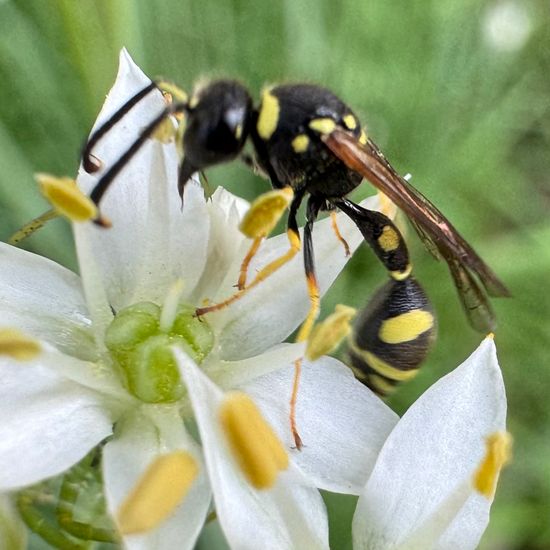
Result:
[{"x": 470, "y": 120}]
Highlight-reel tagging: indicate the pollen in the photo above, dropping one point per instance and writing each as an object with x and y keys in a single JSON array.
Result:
[
  {"x": 498, "y": 453},
  {"x": 328, "y": 335},
  {"x": 253, "y": 443},
  {"x": 17, "y": 345},
  {"x": 158, "y": 492},
  {"x": 67, "y": 199},
  {"x": 265, "y": 212}
]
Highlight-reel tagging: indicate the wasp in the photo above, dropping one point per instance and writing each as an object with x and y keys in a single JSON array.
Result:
[{"x": 305, "y": 137}]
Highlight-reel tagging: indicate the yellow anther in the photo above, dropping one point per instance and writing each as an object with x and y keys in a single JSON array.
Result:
[
  {"x": 176, "y": 92},
  {"x": 387, "y": 207},
  {"x": 328, "y": 335},
  {"x": 265, "y": 212},
  {"x": 14, "y": 343},
  {"x": 67, "y": 199},
  {"x": 497, "y": 455},
  {"x": 255, "y": 446},
  {"x": 165, "y": 132},
  {"x": 159, "y": 491}
]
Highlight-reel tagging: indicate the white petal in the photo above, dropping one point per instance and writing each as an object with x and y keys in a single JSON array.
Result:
[
  {"x": 272, "y": 310},
  {"x": 430, "y": 455},
  {"x": 225, "y": 212},
  {"x": 140, "y": 439},
  {"x": 343, "y": 425},
  {"x": 152, "y": 241},
  {"x": 228, "y": 374},
  {"x": 47, "y": 423},
  {"x": 44, "y": 300},
  {"x": 290, "y": 515}
]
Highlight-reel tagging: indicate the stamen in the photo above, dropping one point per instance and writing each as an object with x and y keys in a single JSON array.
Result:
[
  {"x": 159, "y": 491},
  {"x": 498, "y": 454},
  {"x": 327, "y": 335},
  {"x": 170, "y": 306},
  {"x": 265, "y": 212},
  {"x": 387, "y": 207},
  {"x": 254, "y": 444},
  {"x": 66, "y": 198},
  {"x": 17, "y": 345},
  {"x": 165, "y": 131}
]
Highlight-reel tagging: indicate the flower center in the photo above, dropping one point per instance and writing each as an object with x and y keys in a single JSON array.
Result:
[{"x": 140, "y": 345}]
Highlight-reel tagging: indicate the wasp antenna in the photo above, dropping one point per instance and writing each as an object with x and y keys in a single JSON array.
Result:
[{"x": 89, "y": 162}]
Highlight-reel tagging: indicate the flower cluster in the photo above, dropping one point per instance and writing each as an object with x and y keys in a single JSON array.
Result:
[{"x": 114, "y": 357}]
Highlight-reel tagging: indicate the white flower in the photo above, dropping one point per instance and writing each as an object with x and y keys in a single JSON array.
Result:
[
  {"x": 423, "y": 492},
  {"x": 85, "y": 386}
]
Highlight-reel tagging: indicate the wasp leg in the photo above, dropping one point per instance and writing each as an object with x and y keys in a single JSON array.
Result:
[
  {"x": 313, "y": 207},
  {"x": 241, "y": 283},
  {"x": 295, "y": 246},
  {"x": 334, "y": 225}
]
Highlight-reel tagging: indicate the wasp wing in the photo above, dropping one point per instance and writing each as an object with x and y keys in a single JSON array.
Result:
[{"x": 437, "y": 232}]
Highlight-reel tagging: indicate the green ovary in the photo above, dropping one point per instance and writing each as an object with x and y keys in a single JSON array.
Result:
[{"x": 142, "y": 351}]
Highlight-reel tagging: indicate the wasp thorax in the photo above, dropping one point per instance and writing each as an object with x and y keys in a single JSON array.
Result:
[{"x": 142, "y": 351}]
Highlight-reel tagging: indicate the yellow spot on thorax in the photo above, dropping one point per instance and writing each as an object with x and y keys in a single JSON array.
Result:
[
  {"x": 265, "y": 212},
  {"x": 498, "y": 454},
  {"x": 300, "y": 143},
  {"x": 238, "y": 131},
  {"x": 327, "y": 336},
  {"x": 255, "y": 447},
  {"x": 323, "y": 125},
  {"x": 405, "y": 327},
  {"x": 269, "y": 115},
  {"x": 67, "y": 199},
  {"x": 17, "y": 345},
  {"x": 158, "y": 492},
  {"x": 363, "y": 138},
  {"x": 350, "y": 121},
  {"x": 389, "y": 239},
  {"x": 380, "y": 366}
]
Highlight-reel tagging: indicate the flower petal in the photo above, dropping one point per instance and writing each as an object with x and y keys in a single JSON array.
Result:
[
  {"x": 47, "y": 423},
  {"x": 273, "y": 309},
  {"x": 44, "y": 300},
  {"x": 343, "y": 425},
  {"x": 141, "y": 438},
  {"x": 225, "y": 212},
  {"x": 430, "y": 456},
  {"x": 289, "y": 515},
  {"x": 152, "y": 241}
]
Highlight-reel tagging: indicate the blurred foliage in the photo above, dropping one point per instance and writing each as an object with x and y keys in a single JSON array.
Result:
[{"x": 461, "y": 106}]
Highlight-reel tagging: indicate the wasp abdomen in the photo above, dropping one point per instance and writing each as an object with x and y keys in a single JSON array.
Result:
[{"x": 392, "y": 335}]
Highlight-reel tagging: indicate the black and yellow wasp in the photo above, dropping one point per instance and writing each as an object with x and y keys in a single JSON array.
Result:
[{"x": 305, "y": 137}]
